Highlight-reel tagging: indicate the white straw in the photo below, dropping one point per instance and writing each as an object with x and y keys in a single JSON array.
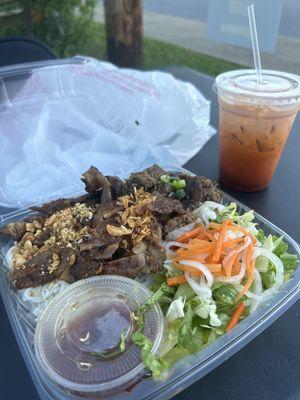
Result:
[{"x": 254, "y": 40}]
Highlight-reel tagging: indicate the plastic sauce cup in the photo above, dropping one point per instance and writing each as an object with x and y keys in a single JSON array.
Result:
[
  {"x": 255, "y": 121},
  {"x": 78, "y": 336}
]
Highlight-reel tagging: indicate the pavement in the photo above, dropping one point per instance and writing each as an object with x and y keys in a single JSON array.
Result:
[
  {"x": 191, "y": 34},
  {"x": 198, "y": 10}
]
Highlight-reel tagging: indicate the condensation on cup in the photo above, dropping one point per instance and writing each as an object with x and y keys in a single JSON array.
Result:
[{"x": 255, "y": 121}]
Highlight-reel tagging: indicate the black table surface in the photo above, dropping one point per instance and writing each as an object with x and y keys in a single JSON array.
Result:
[{"x": 269, "y": 366}]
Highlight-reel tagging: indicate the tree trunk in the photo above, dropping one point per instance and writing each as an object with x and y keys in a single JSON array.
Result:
[
  {"x": 27, "y": 17},
  {"x": 124, "y": 32}
]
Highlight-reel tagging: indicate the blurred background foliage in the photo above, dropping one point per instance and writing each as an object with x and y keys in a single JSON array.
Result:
[
  {"x": 65, "y": 25},
  {"x": 69, "y": 27}
]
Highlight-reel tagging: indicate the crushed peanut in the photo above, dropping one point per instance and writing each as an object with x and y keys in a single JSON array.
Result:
[
  {"x": 64, "y": 229},
  {"x": 30, "y": 227},
  {"x": 55, "y": 263}
]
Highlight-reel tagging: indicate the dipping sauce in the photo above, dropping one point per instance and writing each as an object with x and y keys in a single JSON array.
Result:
[
  {"x": 90, "y": 330},
  {"x": 78, "y": 336}
]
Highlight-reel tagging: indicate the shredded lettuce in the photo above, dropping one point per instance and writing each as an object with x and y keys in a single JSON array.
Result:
[
  {"x": 175, "y": 309},
  {"x": 175, "y": 354},
  {"x": 290, "y": 262},
  {"x": 145, "y": 344},
  {"x": 245, "y": 220},
  {"x": 268, "y": 278},
  {"x": 207, "y": 309},
  {"x": 229, "y": 212},
  {"x": 224, "y": 294},
  {"x": 170, "y": 337},
  {"x": 224, "y": 319},
  {"x": 279, "y": 246},
  {"x": 210, "y": 335},
  {"x": 196, "y": 341},
  {"x": 260, "y": 236},
  {"x": 186, "y": 329},
  {"x": 262, "y": 263},
  {"x": 276, "y": 245},
  {"x": 184, "y": 291},
  {"x": 189, "y": 334},
  {"x": 197, "y": 314},
  {"x": 187, "y": 337}
]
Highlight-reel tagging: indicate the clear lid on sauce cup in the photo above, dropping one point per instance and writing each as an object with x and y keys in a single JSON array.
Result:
[
  {"x": 78, "y": 337},
  {"x": 277, "y": 88}
]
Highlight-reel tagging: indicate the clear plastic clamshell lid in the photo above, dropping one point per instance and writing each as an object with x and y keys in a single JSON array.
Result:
[
  {"x": 276, "y": 87},
  {"x": 78, "y": 336}
]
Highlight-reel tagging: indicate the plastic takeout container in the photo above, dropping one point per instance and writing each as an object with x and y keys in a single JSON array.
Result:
[{"x": 184, "y": 372}]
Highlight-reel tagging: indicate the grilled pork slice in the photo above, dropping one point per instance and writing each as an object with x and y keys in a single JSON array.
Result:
[{"x": 44, "y": 267}]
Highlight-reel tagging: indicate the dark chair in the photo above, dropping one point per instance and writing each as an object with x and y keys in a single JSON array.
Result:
[{"x": 21, "y": 49}]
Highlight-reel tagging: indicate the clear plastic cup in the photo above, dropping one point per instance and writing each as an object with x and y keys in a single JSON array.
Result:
[
  {"x": 255, "y": 121},
  {"x": 78, "y": 336}
]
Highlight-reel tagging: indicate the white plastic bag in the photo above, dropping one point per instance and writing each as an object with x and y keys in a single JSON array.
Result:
[{"x": 58, "y": 119}]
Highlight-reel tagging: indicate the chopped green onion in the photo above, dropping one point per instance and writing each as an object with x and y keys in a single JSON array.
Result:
[
  {"x": 165, "y": 178},
  {"x": 122, "y": 341},
  {"x": 178, "y": 184},
  {"x": 180, "y": 194}
]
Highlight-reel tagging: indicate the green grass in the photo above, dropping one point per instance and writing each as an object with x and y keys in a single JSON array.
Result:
[{"x": 156, "y": 54}]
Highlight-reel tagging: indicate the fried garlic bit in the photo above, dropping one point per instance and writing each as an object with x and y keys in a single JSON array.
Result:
[
  {"x": 136, "y": 217},
  {"x": 118, "y": 230}
]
